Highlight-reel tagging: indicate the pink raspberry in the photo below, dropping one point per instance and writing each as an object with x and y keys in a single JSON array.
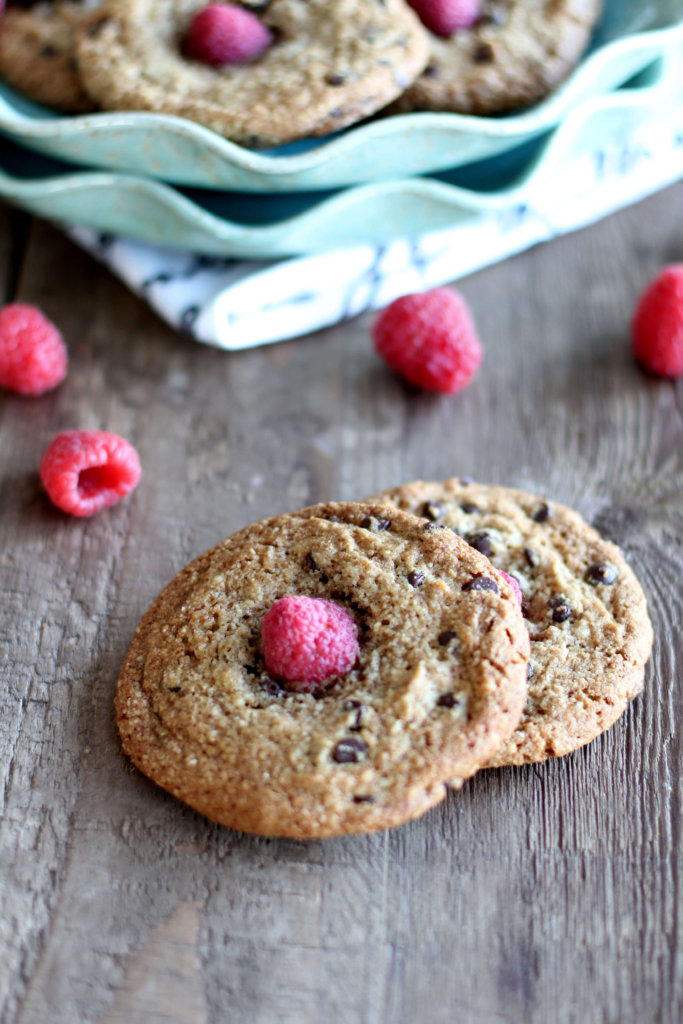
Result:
[
  {"x": 430, "y": 339},
  {"x": 306, "y": 640},
  {"x": 226, "y": 34},
  {"x": 513, "y": 583},
  {"x": 444, "y": 17},
  {"x": 33, "y": 355},
  {"x": 86, "y": 470},
  {"x": 657, "y": 325}
]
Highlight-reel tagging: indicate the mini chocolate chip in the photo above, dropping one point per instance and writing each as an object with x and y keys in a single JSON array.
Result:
[
  {"x": 482, "y": 583},
  {"x": 335, "y": 78},
  {"x": 251, "y": 670},
  {"x": 377, "y": 525},
  {"x": 416, "y": 578},
  {"x": 349, "y": 750},
  {"x": 469, "y": 508},
  {"x": 560, "y": 608},
  {"x": 271, "y": 687},
  {"x": 447, "y": 700},
  {"x": 431, "y": 71},
  {"x": 602, "y": 573},
  {"x": 49, "y": 51},
  {"x": 541, "y": 513},
  {"x": 96, "y": 27},
  {"x": 446, "y": 637},
  {"x": 364, "y": 799},
  {"x": 433, "y": 510},
  {"x": 532, "y": 557},
  {"x": 483, "y": 53},
  {"x": 174, "y": 689},
  {"x": 311, "y": 563},
  {"x": 480, "y": 540}
]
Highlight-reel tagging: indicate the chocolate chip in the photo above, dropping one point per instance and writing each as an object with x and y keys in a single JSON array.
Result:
[
  {"x": 431, "y": 71},
  {"x": 416, "y": 578},
  {"x": 96, "y": 27},
  {"x": 174, "y": 689},
  {"x": 532, "y": 557},
  {"x": 446, "y": 637},
  {"x": 433, "y": 510},
  {"x": 311, "y": 563},
  {"x": 483, "y": 53},
  {"x": 364, "y": 799},
  {"x": 469, "y": 508},
  {"x": 482, "y": 583},
  {"x": 271, "y": 687},
  {"x": 374, "y": 524},
  {"x": 434, "y": 526},
  {"x": 447, "y": 700},
  {"x": 349, "y": 750},
  {"x": 602, "y": 573},
  {"x": 541, "y": 513},
  {"x": 480, "y": 540},
  {"x": 560, "y": 608},
  {"x": 49, "y": 51}
]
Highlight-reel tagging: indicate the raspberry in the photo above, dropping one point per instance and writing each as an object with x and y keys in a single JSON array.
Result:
[
  {"x": 225, "y": 34},
  {"x": 430, "y": 339},
  {"x": 86, "y": 470},
  {"x": 444, "y": 17},
  {"x": 513, "y": 583},
  {"x": 657, "y": 325},
  {"x": 33, "y": 355},
  {"x": 306, "y": 640}
]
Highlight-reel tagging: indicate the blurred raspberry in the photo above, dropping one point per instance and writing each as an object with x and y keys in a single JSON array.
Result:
[
  {"x": 657, "y": 325},
  {"x": 444, "y": 17},
  {"x": 33, "y": 357},
  {"x": 430, "y": 339},
  {"x": 226, "y": 34}
]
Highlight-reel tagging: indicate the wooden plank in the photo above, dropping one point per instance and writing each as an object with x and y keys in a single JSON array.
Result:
[{"x": 546, "y": 894}]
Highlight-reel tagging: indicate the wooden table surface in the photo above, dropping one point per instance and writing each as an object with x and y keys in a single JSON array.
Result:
[{"x": 542, "y": 894}]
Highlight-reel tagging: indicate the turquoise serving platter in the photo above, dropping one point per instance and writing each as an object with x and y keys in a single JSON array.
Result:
[
  {"x": 266, "y": 226},
  {"x": 632, "y": 34}
]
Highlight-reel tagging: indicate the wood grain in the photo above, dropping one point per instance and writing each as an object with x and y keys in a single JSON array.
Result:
[{"x": 544, "y": 894}]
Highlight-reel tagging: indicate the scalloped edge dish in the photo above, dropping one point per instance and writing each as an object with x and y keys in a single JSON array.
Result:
[
  {"x": 157, "y": 213},
  {"x": 178, "y": 151}
]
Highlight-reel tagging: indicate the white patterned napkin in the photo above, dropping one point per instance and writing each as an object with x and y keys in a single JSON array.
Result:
[{"x": 235, "y": 304}]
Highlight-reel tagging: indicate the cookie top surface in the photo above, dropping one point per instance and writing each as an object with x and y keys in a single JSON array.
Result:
[
  {"x": 584, "y": 609},
  {"x": 515, "y": 54},
  {"x": 37, "y": 53},
  {"x": 439, "y": 684},
  {"x": 329, "y": 66}
]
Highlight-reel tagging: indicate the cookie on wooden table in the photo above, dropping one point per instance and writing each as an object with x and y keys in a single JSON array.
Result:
[
  {"x": 327, "y": 66},
  {"x": 514, "y": 53},
  {"x": 37, "y": 53},
  {"x": 584, "y": 609},
  {"x": 435, "y": 682}
]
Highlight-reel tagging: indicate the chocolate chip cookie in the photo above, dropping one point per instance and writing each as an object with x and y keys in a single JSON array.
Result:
[
  {"x": 438, "y": 684},
  {"x": 513, "y": 55},
  {"x": 329, "y": 65},
  {"x": 37, "y": 53},
  {"x": 584, "y": 609}
]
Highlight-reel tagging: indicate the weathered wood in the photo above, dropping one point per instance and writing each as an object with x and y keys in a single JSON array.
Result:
[{"x": 545, "y": 894}]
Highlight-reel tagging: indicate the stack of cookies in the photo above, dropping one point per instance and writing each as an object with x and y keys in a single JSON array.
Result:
[
  {"x": 339, "y": 668},
  {"x": 319, "y": 66}
]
